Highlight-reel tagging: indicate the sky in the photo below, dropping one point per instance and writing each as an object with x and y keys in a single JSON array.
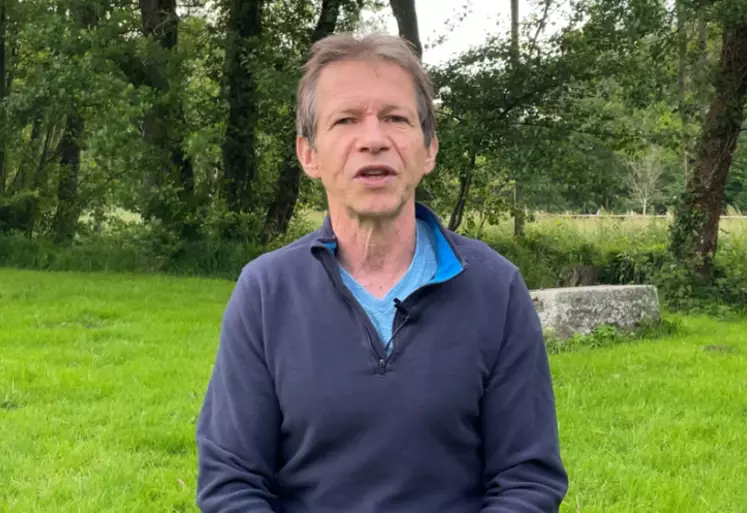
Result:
[{"x": 485, "y": 17}]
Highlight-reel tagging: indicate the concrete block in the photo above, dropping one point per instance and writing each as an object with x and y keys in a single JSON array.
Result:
[{"x": 565, "y": 311}]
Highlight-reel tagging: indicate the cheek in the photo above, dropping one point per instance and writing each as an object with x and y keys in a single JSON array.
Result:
[
  {"x": 411, "y": 148},
  {"x": 332, "y": 163},
  {"x": 327, "y": 155},
  {"x": 415, "y": 155}
]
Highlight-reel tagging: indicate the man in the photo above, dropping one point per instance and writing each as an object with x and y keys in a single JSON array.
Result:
[{"x": 381, "y": 364}]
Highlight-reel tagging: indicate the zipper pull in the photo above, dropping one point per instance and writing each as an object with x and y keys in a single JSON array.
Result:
[{"x": 382, "y": 366}]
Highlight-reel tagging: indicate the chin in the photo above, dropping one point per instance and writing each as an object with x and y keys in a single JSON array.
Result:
[{"x": 380, "y": 208}]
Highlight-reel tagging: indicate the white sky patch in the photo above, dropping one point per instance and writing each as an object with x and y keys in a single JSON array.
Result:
[{"x": 484, "y": 17}]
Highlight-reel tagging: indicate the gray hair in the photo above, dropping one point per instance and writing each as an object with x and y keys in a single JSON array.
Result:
[{"x": 345, "y": 47}]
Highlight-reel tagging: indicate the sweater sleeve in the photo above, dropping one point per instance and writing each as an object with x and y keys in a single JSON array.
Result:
[
  {"x": 238, "y": 425},
  {"x": 524, "y": 472}
]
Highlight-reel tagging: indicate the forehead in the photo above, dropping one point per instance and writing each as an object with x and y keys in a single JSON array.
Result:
[{"x": 364, "y": 84}]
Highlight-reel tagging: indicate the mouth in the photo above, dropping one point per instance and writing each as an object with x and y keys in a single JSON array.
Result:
[{"x": 375, "y": 173}]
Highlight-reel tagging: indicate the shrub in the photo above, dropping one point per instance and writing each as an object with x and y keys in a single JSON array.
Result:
[
  {"x": 606, "y": 336},
  {"x": 621, "y": 257},
  {"x": 618, "y": 251}
]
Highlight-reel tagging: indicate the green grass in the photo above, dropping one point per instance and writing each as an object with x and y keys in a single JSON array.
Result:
[
  {"x": 657, "y": 426},
  {"x": 607, "y": 230},
  {"x": 602, "y": 230},
  {"x": 102, "y": 376}
]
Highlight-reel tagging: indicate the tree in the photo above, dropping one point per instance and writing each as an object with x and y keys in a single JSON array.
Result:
[
  {"x": 538, "y": 113},
  {"x": 281, "y": 207},
  {"x": 4, "y": 85},
  {"x": 695, "y": 232},
  {"x": 736, "y": 183},
  {"x": 64, "y": 224},
  {"x": 681, "y": 72},
  {"x": 239, "y": 146},
  {"x": 407, "y": 23},
  {"x": 518, "y": 206},
  {"x": 644, "y": 178},
  {"x": 167, "y": 174}
]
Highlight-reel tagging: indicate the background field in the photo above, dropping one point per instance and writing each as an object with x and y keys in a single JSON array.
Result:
[
  {"x": 621, "y": 248},
  {"x": 102, "y": 377},
  {"x": 599, "y": 230}
]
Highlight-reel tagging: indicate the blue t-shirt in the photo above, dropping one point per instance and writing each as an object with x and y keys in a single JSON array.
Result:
[{"x": 422, "y": 269}]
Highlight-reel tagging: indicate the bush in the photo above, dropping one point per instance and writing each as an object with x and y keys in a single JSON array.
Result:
[
  {"x": 140, "y": 251},
  {"x": 617, "y": 252},
  {"x": 606, "y": 336},
  {"x": 132, "y": 246},
  {"x": 619, "y": 257}
]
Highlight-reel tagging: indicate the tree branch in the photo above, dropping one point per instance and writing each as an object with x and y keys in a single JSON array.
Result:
[
  {"x": 542, "y": 24},
  {"x": 598, "y": 135},
  {"x": 407, "y": 22}
]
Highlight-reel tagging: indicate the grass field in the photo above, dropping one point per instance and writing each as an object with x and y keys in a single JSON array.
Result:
[
  {"x": 599, "y": 230},
  {"x": 102, "y": 376},
  {"x": 602, "y": 229}
]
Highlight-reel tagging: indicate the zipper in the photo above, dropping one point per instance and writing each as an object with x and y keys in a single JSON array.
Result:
[
  {"x": 371, "y": 334},
  {"x": 375, "y": 343},
  {"x": 409, "y": 299},
  {"x": 396, "y": 330}
]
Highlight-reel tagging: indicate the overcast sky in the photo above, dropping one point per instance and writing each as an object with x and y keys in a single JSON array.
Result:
[{"x": 485, "y": 17}]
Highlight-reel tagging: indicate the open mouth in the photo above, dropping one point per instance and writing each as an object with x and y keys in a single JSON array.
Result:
[{"x": 375, "y": 172}]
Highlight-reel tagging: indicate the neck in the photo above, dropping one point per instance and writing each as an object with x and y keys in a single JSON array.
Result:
[{"x": 376, "y": 252}]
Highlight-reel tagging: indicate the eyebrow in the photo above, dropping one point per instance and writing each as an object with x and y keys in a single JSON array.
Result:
[{"x": 354, "y": 110}]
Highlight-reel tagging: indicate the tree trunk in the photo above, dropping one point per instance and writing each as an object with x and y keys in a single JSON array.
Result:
[
  {"x": 64, "y": 224},
  {"x": 280, "y": 209},
  {"x": 68, "y": 205},
  {"x": 32, "y": 164},
  {"x": 407, "y": 23},
  {"x": 701, "y": 73},
  {"x": 519, "y": 220},
  {"x": 239, "y": 159},
  {"x": 681, "y": 70},
  {"x": 696, "y": 231},
  {"x": 3, "y": 94},
  {"x": 160, "y": 21},
  {"x": 465, "y": 181},
  {"x": 169, "y": 165}
]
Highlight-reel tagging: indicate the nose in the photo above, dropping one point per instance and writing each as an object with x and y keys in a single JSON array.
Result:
[{"x": 372, "y": 138}]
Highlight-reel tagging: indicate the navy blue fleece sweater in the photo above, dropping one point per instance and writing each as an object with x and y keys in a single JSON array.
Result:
[{"x": 306, "y": 413}]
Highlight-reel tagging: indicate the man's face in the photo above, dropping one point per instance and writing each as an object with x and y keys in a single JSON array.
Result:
[{"x": 369, "y": 149}]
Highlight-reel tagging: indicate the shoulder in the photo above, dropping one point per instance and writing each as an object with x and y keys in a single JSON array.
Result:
[
  {"x": 279, "y": 261},
  {"x": 276, "y": 273}
]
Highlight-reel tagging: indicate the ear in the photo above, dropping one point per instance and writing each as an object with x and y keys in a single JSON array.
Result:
[
  {"x": 307, "y": 157},
  {"x": 430, "y": 157}
]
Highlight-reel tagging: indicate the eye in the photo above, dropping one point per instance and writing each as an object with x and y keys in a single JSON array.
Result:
[
  {"x": 398, "y": 119},
  {"x": 344, "y": 121}
]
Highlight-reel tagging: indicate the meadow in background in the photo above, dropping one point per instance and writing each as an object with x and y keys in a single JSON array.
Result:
[{"x": 102, "y": 377}]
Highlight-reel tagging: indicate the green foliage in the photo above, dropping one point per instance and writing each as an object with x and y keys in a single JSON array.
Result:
[
  {"x": 736, "y": 184},
  {"x": 623, "y": 251},
  {"x": 561, "y": 119},
  {"x": 151, "y": 251},
  {"x": 605, "y": 336}
]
